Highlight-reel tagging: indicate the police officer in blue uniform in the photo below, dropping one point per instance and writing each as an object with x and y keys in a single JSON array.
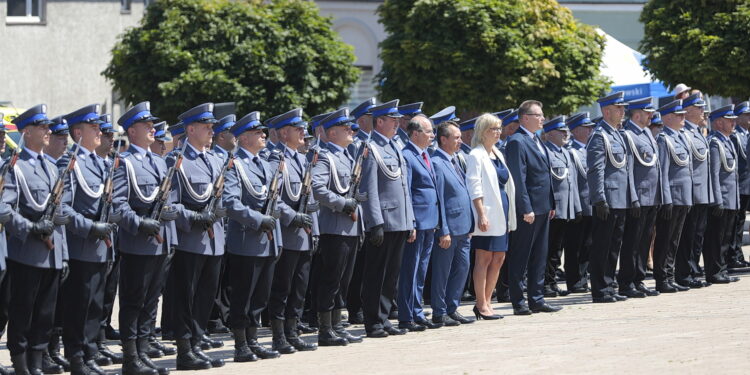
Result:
[
  {"x": 644, "y": 159},
  {"x": 254, "y": 239},
  {"x": 293, "y": 267},
  {"x": 58, "y": 140},
  {"x": 689, "y": 251},
  {"x": 34, "y": 269},
  {"x": 272, "y": 140},
  {"x": 740, "y": 138},
  {"x": 677, "y": 188},
  {"x": 159, "y": 146},
  {"x": 725, "y": 185},
  {"x": 611, "y": 192},
  {"x": 197, "y": 262},
  {"x": 143, "y": 256},
  {"x": 5, "y": 212}
]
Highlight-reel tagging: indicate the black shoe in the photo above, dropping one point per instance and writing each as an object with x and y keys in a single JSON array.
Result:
[
  {"x": 54, "y": 352},
  {"x": 620, "y": 297},
  {"x": 679, "y": 287},
  {"x": 546, "y": 308},
  {"x": 445, "y": 320},
  {"x": 467, "y": 297},
  {"x": 111, "y": 333},
  {"x": 91, "y": 364},
  {"x": 217, "y": 327},
  {"x": 213, "y": 343},
  {"x": 6, "y": 371},
  {"x": 665, "y": 287},
  {"x": 116, "y": 358},
  {"x": 733, "y": 279},
  {"x": 186, "y": 359},
  {"x": 718, "y": 280},
  {"x": 521, "y": 310},
  {"x": 692, "y": 284},
  {"x": 393, "y": 315},
  {"x": 560, "y": 292},
  {"x": 305, "y": 328},
  {"x": 478, "y": 314},
  {"x": 579, "y": 289},
  {"x": 242, "y": 352},
  {"x": 142, "y": 347},
  {"x": 261, "y": 351},
  {"x": 428, "y": 324},
  {"x": 77, "y": 367},
  {"x": 290, "y": 330},
  {"x": 604, "y": 299},
  {"x": 326, "y": 334},
  {"x": 167, "y": 350},
  {"x": 393, "y": 331},
  {"x": 411, "y": 326},
  {"x": 549, "y": 292},
  {"x": 340, "y": 328},
  {"x": 735, "y": 264},
  {"x": 218, "y": 362},
  {"x": 378, "y": 333},
  {"x": 356, "y": 318},
  {"x": 649, "y": 292},
  {"x": 460, "y": 318},
  {"x": 36, "y": 361},
  {"x": 21, "y": 365},
  {"x": 632, "y": 293},
  {"x": 279, "y": 342},
  {"x": 49, "y": 366}
]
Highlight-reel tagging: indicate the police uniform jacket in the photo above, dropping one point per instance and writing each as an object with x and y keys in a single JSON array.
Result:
[
  {"x": 294, "y": 171},
  {"x": 673, "y": 151},
  {"x": 724, "y": 177},
  {"x": 606, "y": 181},
  {"x": 564, "y": 182},
  {"x": 578, "y": 155},
  {"x": 330, "y": 191},
  {"x": 642, "y": 151},
  {"x": 702, "y": 192}
]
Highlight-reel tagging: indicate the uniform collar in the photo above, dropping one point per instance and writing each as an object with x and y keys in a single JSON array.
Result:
[
  {"x": 579, "y": 143},
  {"x": 139, "y": 149},
  {"x": 447, "y": 155},
  {"x": 249, "y": 154},
  {"x": 335, "y": 147},
  {"x": 419, "y": 150}
]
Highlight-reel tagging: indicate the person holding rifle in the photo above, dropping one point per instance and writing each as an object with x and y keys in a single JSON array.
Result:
[
  {"x": 34, "y": 269},
  {"x": 293, "y": 267}
]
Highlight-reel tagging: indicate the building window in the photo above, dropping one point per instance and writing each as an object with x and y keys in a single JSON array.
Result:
[
  {"x": 25, "y": 11},
  {"x": 364, "y": 88},
  {"x": 125, "y": 6}
]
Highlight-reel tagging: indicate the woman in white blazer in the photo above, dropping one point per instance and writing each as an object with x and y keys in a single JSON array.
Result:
[{"x": 492, "y": 192}]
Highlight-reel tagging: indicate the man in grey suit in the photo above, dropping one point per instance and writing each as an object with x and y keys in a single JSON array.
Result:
[
  {"x": 644, "y": 158},
  {"x": 254, "y": 239},
  {"x": 293, "y": 267},
  {"x": 677, "y": 187},
  {"x": 726, "y": 189},
  {"x": 34, "y": 269},
  {"x": 388, "y": 218},
  {"x": 689, "y": 251}
]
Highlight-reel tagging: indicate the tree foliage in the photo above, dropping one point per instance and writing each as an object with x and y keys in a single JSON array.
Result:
[
  {"x": 487, "y": 55},
  {"x": 702, "y": 43},
  {"x": 270, "y": 56}
]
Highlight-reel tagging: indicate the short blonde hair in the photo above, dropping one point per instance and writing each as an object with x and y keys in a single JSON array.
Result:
[{"x": 484, "y": 122}]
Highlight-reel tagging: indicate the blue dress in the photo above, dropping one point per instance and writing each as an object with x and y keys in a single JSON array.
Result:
[{"x": 496, "y": 243}]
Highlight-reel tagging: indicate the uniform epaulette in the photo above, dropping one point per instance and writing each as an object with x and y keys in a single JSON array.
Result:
[{"x": 123, "y": 154}]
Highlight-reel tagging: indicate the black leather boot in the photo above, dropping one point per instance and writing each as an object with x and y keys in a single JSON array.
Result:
[
  {"x": 116, "y": 358},
  {"x": 131, "y": 361},
  {"x": 167, "y": 350},
  {"x": 326, "y": 335},
  {"x": 279, "y": 339},
  {"x": 142, "y": 345},
  {"x": 49, "y": 366},
  {"x": 19, "y": 364},
  {"x": 186, "y": 359},
  {"x": 290, "y": 330},
  {"x": 218, "y": 362},
  {"x": 79, "y": 367},
  {"x": 251, "y": 333},
  {"x": 242, "y": 352},
  {"x": 338, "y": 327},
  {"x": 54, "y": 352},
  {"x": 35, "y": 362}
]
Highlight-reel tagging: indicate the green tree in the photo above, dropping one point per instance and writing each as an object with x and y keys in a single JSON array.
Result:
[
  {"x": 488, "y": 55},
  {"x": 702, "y": 43},
  {"x": 269, "y": 56}
]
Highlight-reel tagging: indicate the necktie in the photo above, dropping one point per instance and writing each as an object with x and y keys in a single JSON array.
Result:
[
  {"x": 151, "y": 162},
  {"x": 538, "y": 144},
  {"x": 40, "y": 168},
  {"x": 458, "y": 169},
  {"x": 426, "y": 160},
  {"x": 205, "y": 160},
  {"x": 260, "y": 168},
  {"x": 97, "y": 163}
]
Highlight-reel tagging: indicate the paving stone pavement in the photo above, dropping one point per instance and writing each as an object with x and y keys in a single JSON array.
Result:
[{"x": 700, "y": 331}]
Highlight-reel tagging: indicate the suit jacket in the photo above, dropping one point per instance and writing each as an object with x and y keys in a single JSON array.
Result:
[
  {"x": 424, "y": 197},
  {"x": 481, "y": 178},
  {"x": 530, "y": 170},
  {"x": 645, "y": 178},
  {"x": 197, "y": 175},
  {"x": 606, "y": 182},
  {"x": 24, "y": 247},
  {"x": 295, "y": 164},
  {"x": 331, "y": 220},
  {"x": 725, "y": 184},
  {"x": 389, "y": 200},
  {"x": 125, "y": 199},
  {"x": 678, "y": 186},
  {"x": 244, "y": 208},
  {"x": 578, "y": 155},
  {"x": 221, "y": 153},
  {"x": 739, "y": 140},
  {"x": 456, "y": 217},
  {"x": 567, "y": 201},
  {"x": 84, "y": 209},
  {"x": 702, "y": 192}
]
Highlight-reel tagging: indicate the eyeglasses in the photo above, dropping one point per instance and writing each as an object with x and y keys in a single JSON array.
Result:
[{"x": 495, "y": 129}]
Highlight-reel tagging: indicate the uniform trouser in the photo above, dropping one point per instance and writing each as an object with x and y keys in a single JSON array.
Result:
[
  {"x": 414, "y": 263},
  {"x": 4, "y": 299},
  {"x": 691, "y": 244},
  {"x": 719, "y": 236},
  {"x": 83, "y": 304},
  {"x": 636, "y": 244},
  {"x": 167, "y": 293},
  {"x": 667, "y": 241},
  {"x": 110, "y": 291},
  {"x": 554, "y": 252},
  {"x": 527, "y": 255},
  {"x": 335, "y": 262},
  {"x": 449, "y": 269},
  {"x": 734, "y": 253},
  {"x": 606, "y": 241},
  {"x": 196, "y": 278},
  {"x": 577, "y": 244},
  {"x": 33, "y": 292},
  {"x": 380, "y": 278},
  {"x": 220, "y": 311},
  {"x": 289, "y": 284},
  {"x": 141, "y": 282},
  {"x": 354, "y": 294},
  {"x": 250, "y": 279}
]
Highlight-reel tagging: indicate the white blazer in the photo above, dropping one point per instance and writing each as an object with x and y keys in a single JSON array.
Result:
[{"x": 481, "y": 178}]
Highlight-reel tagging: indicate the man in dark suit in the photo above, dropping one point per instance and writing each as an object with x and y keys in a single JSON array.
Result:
[{"x": 530, "y": 167}]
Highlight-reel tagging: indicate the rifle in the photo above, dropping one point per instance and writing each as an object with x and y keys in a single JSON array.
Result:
[
  {"x": 105, "y": 214},
  {"x": 164, "y": 188},
  {"x": 218, "y": 191},
  {"x": 53, "y": 205},
  {"x": 9, "y": 165},
  {"x": 269, "y": 208},
  {"x": 357, "y": 176},
  {"x": 307, "y": 186}
]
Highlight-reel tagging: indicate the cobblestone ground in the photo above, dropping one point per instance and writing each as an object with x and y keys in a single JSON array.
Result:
[{"x": 700, "y": 331}]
